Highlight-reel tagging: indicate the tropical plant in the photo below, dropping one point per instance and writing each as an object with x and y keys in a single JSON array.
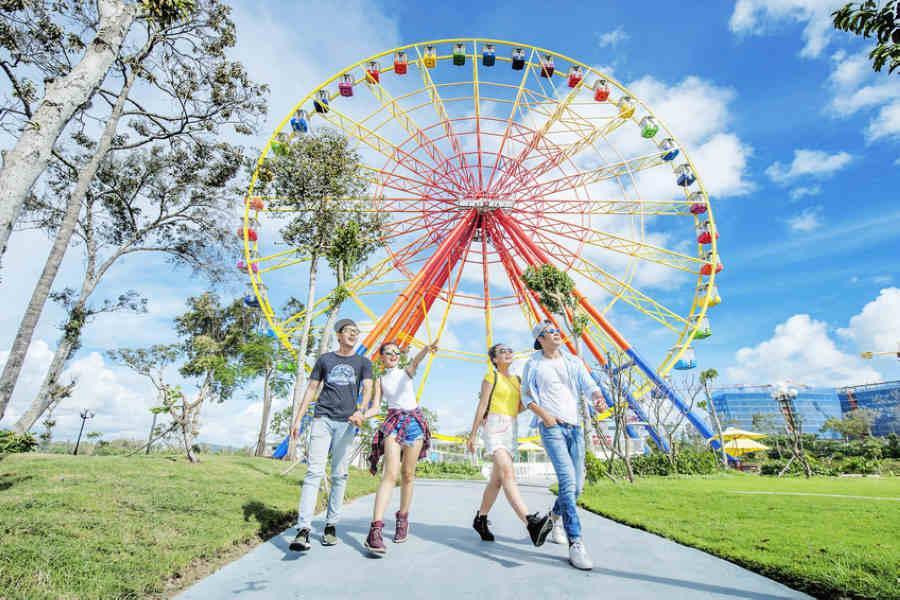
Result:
[{"x": 867, "y": 19}]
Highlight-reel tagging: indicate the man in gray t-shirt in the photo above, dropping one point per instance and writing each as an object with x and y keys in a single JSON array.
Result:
[
  {"x": 341, "y": 378},
  {"x": 336, "y": 379}
]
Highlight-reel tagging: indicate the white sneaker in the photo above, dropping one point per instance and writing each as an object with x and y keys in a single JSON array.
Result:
[
  {"x": 558, "y": 533},
  {"x": 579, "y": 558}
]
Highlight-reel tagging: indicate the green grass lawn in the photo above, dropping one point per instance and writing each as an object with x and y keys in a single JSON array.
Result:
[
  {"x": 829, "y": 547},
  {"x": 116, "y": 527}
]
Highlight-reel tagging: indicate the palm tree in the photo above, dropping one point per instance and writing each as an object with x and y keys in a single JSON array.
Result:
[{"x": 706, "y": 379}]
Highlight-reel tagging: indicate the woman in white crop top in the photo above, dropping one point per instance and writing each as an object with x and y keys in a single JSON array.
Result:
[{"x": 403, "y": 438}]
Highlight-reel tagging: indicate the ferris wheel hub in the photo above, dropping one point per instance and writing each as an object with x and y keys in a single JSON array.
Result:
[{"x": 483, "y": 201}]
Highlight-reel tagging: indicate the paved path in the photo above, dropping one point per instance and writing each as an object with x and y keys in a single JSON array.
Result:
[{"x": 444, "y": 558}]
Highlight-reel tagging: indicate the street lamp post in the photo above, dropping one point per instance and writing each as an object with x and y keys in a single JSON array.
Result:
[{"x": 85, "y": 415}]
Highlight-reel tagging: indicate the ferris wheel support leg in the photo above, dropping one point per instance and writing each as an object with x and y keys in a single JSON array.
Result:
[
  {"x": 617, "y": 337},
  {"x": 636, "y": 408},
  {"x": 408, "y": 296}
]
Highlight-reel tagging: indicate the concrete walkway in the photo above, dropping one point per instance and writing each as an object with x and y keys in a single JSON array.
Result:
[{"x": 444, "y": 558}]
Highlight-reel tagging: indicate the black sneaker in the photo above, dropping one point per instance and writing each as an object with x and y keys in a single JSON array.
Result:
[
  {"x": 480, "y": 524},
  {"x": 538, "y": 528},
  {"x": 301, "y": 542},
  {"x": 329, "y": 538}
]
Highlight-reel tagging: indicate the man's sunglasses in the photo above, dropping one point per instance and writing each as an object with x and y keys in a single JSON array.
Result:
[
  {"x": 350, "y": 331},
  {"x": 550, "y": 331}
]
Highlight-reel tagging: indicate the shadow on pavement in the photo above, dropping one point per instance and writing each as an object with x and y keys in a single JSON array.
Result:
[{"x": 692, "y": 585}]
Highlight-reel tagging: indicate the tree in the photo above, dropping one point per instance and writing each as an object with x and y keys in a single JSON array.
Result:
[
  {"x": 208, "y": 90},
  {"x": 152, "y": 363},
  {"x": 853, "y": 425},
  {"x": 29, "y": 36},
  {"x": 173, "y": 202},
  {"x": 212, "y": 337},
  {"x": 265, "y": 357},
  {"x": 706, "y": 379},
  {"x": 353, "y": 242},
  {"x": 865, "y": 19},
  {"x": 25, "y": 24},
  {"x": 319, "y": 177}
]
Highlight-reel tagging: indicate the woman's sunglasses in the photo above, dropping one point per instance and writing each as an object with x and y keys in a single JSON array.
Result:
[
  {"x": 550, "y": 331},
  {"x": 391, "y": 353}
]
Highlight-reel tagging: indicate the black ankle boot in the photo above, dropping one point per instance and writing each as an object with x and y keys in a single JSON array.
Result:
[{"x": 480, "y": 524}]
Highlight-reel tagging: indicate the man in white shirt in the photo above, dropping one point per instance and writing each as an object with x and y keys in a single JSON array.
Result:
[{"x": 553, "y": 383}]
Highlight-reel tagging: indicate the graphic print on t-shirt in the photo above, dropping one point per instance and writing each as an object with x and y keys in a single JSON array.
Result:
[{"x": 342, "y": 374}]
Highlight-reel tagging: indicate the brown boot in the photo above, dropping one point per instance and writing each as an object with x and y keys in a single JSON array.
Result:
[
  {"x": 374, "y": 542},
  {"x": 402, "y": 531}
]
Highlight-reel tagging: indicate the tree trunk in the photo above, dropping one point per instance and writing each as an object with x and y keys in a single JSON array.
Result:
[
  {"x": 25, "y": 162},
  {"x": 41, "y": 291},
  {"x": 267, "y": 408},
  {"x": 45, "y": 398},
  {"x": 711, "y": 408},
  {"x": 332, "y": 316},
  {"x": 300, "y": 380}
]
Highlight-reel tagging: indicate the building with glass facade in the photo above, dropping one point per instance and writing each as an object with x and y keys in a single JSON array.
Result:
[
  {"x": 736, "y": 406},
  {"x": 881, "y": 398}
]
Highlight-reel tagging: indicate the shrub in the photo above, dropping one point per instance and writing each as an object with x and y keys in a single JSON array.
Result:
[
  {"x": 12, "y": 442},
  {"x": 425, "y": 468}
]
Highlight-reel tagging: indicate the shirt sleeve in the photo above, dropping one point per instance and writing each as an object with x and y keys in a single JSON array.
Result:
[
  {"x": 490, "y": 376},
  {"x": 318, "y": 370},
  {"x": 366, "y": 369},
  {"x": 529, "y": 385},
  {"x": 588, "y": 385}
]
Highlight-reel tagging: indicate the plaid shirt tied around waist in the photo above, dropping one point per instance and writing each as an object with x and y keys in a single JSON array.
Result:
[{"x": 394, "y": 416}]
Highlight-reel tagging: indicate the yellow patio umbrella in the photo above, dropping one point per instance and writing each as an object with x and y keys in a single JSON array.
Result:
[
  {"x": 739, "y": 446},
  {"x": 530, "y": 447},
  {"x": 732, "y": 433}
]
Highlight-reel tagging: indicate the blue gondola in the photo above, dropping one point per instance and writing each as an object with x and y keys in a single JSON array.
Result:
[
  {"x": 670, "y": 148},
  {"x": 685, "y": 175},
  {"x": 300, "y": 122},
  {"x": 489, "y": 57},
  {"x": 251, "y": 301},
  {"x": 321, "y": 103}
]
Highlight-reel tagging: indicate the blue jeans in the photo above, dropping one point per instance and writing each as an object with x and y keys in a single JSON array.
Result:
[
  {"x": 564, "y": 444},
  {"x": 326, "y": 437}
]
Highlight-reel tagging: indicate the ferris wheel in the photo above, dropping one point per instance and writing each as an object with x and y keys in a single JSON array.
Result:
[{"x": 486, "y": 157}]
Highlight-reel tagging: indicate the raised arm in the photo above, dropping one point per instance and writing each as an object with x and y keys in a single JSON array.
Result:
[
  {"x": 484, "y": 397},
  {"x": 419, "y": 357}
]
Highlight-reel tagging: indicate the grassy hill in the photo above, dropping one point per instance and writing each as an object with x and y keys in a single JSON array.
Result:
[{"x": 144, "y": 526}]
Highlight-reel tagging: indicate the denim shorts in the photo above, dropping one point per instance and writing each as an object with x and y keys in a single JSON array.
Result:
[{"x": 413, "y": 431}]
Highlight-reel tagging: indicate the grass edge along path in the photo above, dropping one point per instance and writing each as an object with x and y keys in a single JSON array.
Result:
[
  {"x": 826, "y": 546},
  {"x": 139, "y": 527}
]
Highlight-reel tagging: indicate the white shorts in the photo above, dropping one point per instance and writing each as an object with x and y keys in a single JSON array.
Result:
[{"x": 500, "y": 431}]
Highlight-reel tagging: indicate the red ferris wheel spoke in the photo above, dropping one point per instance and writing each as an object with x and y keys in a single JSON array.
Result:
[
  {"x": 409, "y": 124},
  {"x": 616, "y": 287},
  {"x": 627, "y": 246},
  {"x": 605, "y": 172},
  {"x": 382, "y": 146},
  {"x": 444, "y": 119}
]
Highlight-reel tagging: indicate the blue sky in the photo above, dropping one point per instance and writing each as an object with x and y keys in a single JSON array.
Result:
[{"x": 798, "y": 141}]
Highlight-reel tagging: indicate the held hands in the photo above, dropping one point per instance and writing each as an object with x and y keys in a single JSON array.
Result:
[{"x": 357, "y": 418}]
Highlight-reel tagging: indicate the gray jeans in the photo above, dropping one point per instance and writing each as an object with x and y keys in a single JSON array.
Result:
[{"x": 326, "y": 437}]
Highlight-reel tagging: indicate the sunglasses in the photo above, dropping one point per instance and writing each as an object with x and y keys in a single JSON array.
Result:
[
  {"x": 350, "y": 331},
  {"x": 549, "y": 331},
  {"x": 503, "y": 350},
  {"x": 391, "y": 353}
]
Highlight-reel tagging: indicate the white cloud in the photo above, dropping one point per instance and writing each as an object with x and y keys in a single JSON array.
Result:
[
  {"x": 756, "y": 17},
  {"x": 697, "y": 111},
  {"x": 886, "y": 124},
  {"x": 804, "y": 191},
  {"x": 612, "y": 38},
  {"x": 800, "y": 351},
  {"x": 808, "y": 220},
  {"x": 877, "y": 327},
  {"x": 809, "y": 163}
]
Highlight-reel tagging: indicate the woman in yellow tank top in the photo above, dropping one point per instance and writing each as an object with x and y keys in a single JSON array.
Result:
[{"x": 500, "y": 402}]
